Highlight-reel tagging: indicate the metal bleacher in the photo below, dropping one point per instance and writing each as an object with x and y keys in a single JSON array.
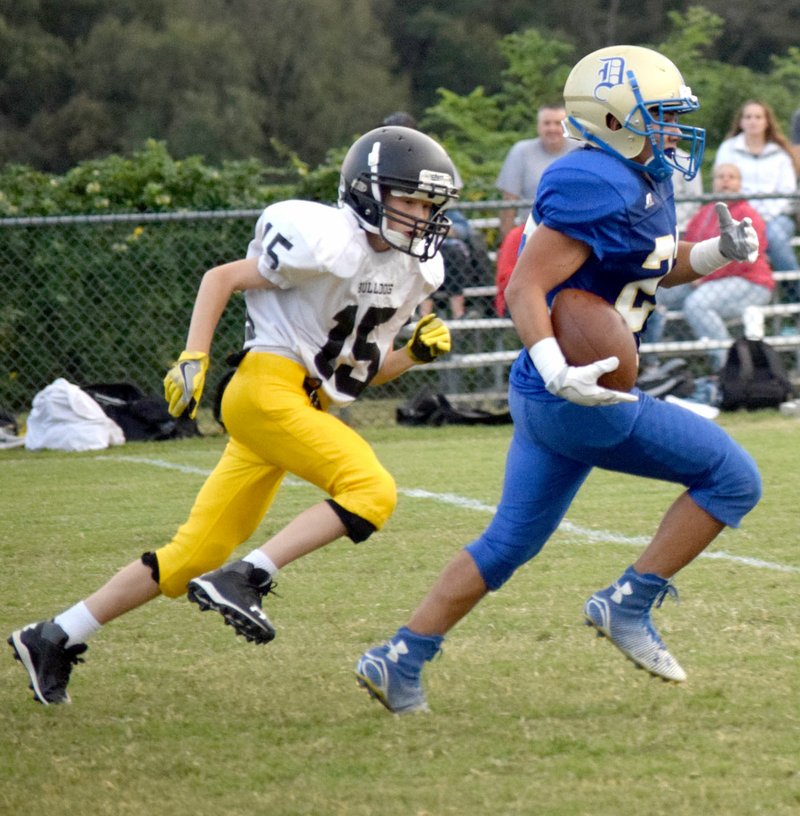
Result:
[{"x": 490, "y": 343}]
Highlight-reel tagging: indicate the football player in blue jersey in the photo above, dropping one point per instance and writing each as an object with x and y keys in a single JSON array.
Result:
[{"x": 603, "y": 221}]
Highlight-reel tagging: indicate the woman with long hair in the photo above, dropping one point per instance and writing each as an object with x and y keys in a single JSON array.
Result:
[{"x": 758, "y": 147}]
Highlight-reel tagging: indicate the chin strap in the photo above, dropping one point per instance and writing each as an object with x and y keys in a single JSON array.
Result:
[{"x": 660, "y": 173}]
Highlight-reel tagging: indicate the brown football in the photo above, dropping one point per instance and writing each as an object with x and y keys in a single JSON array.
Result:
[{"x": 589, "y": 329}]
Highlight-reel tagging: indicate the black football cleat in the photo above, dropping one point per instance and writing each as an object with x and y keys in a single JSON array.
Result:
[
  {"x": 235, "y": 591},
  {"x": 40, "y": 647}
]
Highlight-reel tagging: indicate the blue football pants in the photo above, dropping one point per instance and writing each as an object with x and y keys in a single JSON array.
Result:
[{"x": 556, "y": 443}]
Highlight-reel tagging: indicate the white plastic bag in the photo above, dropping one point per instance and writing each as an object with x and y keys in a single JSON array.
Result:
[{"x": 66, "y": 418}]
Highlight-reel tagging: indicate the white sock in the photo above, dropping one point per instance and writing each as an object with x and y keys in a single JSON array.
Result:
[
  {"x": 258, "y": 559},
  {"x": 78, "y": 622}
]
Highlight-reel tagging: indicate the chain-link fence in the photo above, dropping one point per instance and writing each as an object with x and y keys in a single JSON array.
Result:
[
  {"x": 105, "y": 299},
  {"x": 108, "y": 298}
]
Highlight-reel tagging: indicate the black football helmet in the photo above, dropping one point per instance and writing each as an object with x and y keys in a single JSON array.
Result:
[{"x": 400, "y": 161}]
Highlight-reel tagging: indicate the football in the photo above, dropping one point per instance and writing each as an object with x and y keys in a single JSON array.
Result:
[{"x": 589, "y": 329}]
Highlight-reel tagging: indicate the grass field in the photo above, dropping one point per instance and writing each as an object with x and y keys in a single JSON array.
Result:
[{"x": 531, "y": 713}]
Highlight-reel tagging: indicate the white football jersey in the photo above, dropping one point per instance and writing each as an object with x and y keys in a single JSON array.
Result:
[{"x": 339, "y": 304}]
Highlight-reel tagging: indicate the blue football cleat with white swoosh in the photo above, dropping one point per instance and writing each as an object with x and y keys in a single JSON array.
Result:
[{"x": 391, "y": 673}]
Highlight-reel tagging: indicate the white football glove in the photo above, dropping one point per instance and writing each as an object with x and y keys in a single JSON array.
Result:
[
  {"x": 737, "y": 241},
  {"x": 577, "y": 384}
]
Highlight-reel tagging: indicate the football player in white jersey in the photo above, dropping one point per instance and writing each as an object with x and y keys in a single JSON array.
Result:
[{"x": 327, "y": 290}]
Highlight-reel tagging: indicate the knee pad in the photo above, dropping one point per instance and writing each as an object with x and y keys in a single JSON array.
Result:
[
  {"x": 371, "y": 498},
  {"x": 358, "y": 528},
  {"x": 150, "y": 560}
]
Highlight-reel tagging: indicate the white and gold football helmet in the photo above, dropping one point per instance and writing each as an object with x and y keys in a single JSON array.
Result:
[{"x": 640, "y": 88}]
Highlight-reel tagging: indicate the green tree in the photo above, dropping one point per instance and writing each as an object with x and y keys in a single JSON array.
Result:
[
  {"x": 720, "y": 87},
  {"x": 324, "y": 69},
  {"x": 34, "y": 77},
  {"x": 479, "y": 128},
  {"x": 755, "y": 31},
  {"x": 226, "y": 78},
  {"x": 291, "y": 83},
  {"x": 187, "y": 83},
  {"x": 445, "y": 45}
]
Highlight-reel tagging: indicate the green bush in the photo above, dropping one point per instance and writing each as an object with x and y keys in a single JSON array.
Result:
[
  {"x": 107, "y": 302},
  {"x": 149, "y": 180}
]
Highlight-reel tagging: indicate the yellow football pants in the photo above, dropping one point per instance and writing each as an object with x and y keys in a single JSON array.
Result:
[{"x": 273, "y": 430}]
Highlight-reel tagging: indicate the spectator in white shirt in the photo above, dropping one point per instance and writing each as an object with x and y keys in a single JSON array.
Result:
[{"x": 758, "y": 147}]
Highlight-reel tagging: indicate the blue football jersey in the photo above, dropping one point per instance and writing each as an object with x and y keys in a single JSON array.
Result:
[{"x": 628, "y": 220}]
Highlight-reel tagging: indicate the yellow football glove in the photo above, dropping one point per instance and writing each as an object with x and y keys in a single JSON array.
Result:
[
  {"x": 431, "y": 338},
  {"x": 183, "y": 385}
]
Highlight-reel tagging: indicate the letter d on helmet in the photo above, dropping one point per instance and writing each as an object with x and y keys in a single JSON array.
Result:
[{"x": 644, "y": 92}]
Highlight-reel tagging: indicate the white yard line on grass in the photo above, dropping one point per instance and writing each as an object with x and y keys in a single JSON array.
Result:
[{"x": 462, "y": 502}]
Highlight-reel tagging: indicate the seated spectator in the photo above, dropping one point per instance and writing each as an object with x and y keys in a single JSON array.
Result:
[
  {"x": 684, "y": 189},
  {"x": 765, "y": 158},
  {"x": 506, "y": 260},
  {"x": 708, "y": 302}
]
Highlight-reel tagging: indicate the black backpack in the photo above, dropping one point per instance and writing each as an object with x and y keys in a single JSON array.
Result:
[
  {"x": 140, "y": 416},
  {"x": 753, "y": 377},
  {"x": 428, "y": 408},
  {"x": 8, "y": 423}
]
